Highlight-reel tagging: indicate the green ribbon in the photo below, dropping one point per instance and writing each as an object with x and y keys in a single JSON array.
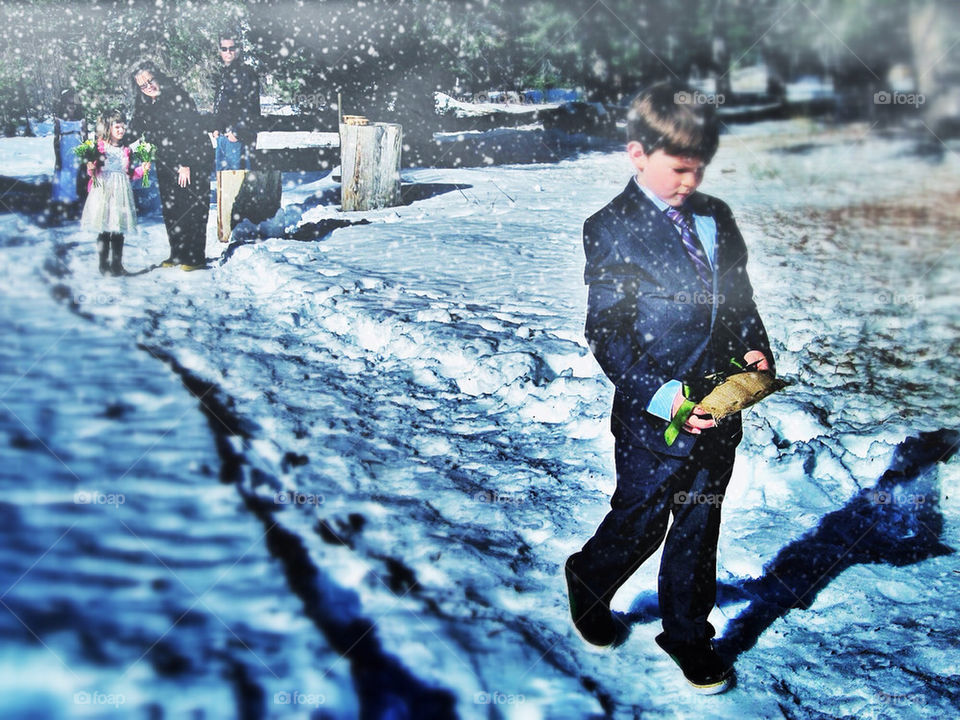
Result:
[
  {"x": 683, "y": 412},
  {"x": 686, "y": 410}
]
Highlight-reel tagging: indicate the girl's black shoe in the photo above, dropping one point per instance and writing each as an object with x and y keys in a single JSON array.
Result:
[{"x": 116, "y": 260}]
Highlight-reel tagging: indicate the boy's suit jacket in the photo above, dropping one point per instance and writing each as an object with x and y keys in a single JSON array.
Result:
[{"x": 649, "y": 319}]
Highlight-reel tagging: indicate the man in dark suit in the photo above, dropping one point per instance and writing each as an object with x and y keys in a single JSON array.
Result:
[{"x": 670, "y": 305}]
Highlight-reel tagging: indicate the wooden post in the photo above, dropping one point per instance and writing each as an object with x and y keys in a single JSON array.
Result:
[
  {"x": 370, "y": 165},
  {"x": 259, "y": 196},
  {"x": 228, "y": 185},
  {"x": 251, "y": 194}
]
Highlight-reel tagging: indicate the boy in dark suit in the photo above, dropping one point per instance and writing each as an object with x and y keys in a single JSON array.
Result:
[{"x": 669, "y": 306}]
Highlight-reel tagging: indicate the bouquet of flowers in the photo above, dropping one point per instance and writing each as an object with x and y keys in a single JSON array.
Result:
[
  {"x": 145, "y": 152},
  {"x": 88, "y": 152}
]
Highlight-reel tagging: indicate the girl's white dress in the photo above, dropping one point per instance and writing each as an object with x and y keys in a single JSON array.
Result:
[{"x": 109, "y": 206}]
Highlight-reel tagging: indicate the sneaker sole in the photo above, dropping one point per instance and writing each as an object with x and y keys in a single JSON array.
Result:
[
  {"x": 713, "y": 688},
  {"x": 725, "y": 683}
]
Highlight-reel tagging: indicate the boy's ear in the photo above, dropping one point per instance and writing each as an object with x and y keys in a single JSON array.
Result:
[{"x": 636, "y": 154}]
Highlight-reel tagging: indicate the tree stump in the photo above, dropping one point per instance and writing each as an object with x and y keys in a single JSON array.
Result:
[
  {"x": 370, "y": 166},
  {"x": 931, "y": 26}
]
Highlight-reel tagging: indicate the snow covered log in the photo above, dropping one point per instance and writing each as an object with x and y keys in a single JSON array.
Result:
[
  {"x": 295, "y": 148},
  {"x": 296, "y": 140},
  {"x": 370, "y": 165}
]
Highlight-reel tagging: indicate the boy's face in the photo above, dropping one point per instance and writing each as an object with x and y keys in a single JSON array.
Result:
[{"x": 672, "y": 178}]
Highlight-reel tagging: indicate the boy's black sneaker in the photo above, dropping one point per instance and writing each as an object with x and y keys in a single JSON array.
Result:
[
  {"x": 591, "y": 615},
  {"x": 706, "y": 671}
]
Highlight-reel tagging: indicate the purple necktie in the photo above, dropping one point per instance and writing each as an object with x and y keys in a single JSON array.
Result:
[{"x": 691, "y": 244}]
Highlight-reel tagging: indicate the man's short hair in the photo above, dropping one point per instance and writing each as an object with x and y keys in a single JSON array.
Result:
[
  {"x": 668, "y": 116},
  {"x": 228, "y": 34}
]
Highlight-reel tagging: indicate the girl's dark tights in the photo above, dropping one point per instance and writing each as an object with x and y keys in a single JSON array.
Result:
[{"x": 110, "y": 250}]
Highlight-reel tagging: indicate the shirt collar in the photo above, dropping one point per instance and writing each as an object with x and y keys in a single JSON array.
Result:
[{"x": 660, "y": 204}]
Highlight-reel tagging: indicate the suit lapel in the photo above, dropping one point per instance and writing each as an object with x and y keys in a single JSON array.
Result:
[
  {"x": 725, "y": 244},
  {"x": 651, "y": 240},
  {"x": 650, "y": 234}
]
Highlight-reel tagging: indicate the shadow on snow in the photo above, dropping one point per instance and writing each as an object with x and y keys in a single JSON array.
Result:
[{"x": 896, "y": 522}]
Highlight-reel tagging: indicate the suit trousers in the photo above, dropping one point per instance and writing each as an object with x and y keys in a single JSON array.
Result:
[
  {"x": 651, "y": 487},
  {"x": 185, "y": 213}
]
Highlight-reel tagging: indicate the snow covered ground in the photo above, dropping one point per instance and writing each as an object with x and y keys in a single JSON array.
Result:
[{"x": 341, "y": 476}]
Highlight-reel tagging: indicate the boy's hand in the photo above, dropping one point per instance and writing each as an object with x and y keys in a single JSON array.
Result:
[
  {"x": 755, "y": 356},
  {"x": 698, "y": 420},
  {"x": 146, "y": 168}
]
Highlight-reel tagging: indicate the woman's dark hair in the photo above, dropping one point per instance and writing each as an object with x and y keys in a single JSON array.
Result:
[
  {"x": 68, "y": 98},
  {"x": 162, "y": 80}
]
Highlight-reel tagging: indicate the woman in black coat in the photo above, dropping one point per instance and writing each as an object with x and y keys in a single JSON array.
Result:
[{"x": 167, "y": 117}]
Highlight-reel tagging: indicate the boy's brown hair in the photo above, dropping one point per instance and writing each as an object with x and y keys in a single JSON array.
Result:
[{"x": 670, "y": 117}]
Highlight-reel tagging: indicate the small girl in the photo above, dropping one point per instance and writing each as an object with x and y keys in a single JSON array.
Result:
[{"x": 109, "y": 209}]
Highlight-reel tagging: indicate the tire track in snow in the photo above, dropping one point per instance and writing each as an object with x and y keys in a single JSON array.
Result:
[{"x": 385, "y": 687}]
